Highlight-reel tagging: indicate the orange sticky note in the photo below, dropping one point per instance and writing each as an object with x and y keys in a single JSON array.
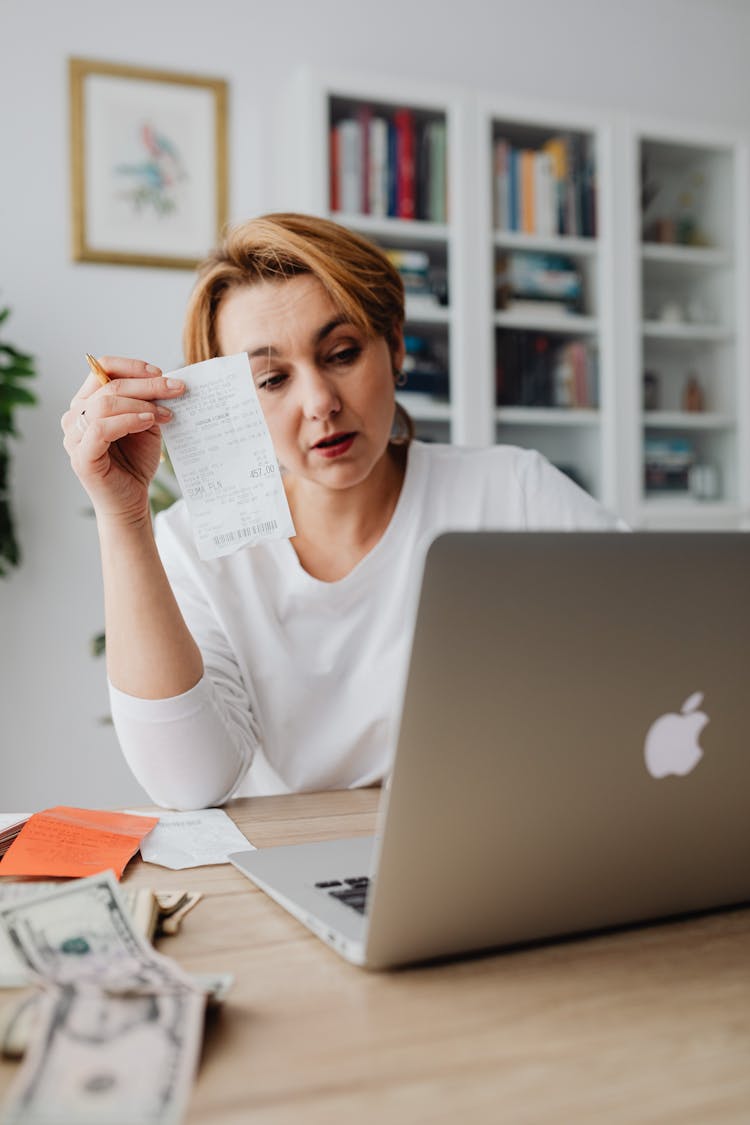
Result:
[{"x": 75, "y": 842}]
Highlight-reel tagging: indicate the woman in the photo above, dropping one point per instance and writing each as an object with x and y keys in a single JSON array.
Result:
[{"x": 279, "y": 668}]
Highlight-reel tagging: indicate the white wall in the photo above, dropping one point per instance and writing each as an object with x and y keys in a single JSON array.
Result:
[{"x": 678, "y": 58}]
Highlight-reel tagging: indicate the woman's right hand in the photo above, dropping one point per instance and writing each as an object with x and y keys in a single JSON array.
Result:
[{"x": 113, "y": 436}]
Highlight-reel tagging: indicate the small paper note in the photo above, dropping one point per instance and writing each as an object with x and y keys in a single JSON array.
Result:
[
  {"x": 9, "y": 820},
  {"x": 193, "y": 839},
  {"x": 223, "y": 458},
  {"x": 65, "y": 841},
  {"x": 10, "y": 825}
]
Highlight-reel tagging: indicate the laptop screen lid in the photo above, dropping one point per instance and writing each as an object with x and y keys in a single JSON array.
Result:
[{"x": 573, "y": 750}]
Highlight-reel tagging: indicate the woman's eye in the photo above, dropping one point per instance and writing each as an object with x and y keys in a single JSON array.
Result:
[
  {"x": 271, "y": 382},
  {"x": 346, "y": 355}
]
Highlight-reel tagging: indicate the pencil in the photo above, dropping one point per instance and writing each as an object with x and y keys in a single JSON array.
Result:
[
  {"x": 103, "y": 378},
  {"x": 97, "y": 369}
]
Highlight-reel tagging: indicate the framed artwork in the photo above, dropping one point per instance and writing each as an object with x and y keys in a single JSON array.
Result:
[{"x": 148, "y": 164}]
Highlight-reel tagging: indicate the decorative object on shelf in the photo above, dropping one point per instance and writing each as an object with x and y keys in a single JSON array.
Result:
[
  {"x": 691, "y": 205},
  {"x": 15, "y": 369},
  {"x": 686, "y": 227},
  {"x": 149, "y": 164},
  {"x": 660, "y": 230},
  {"x": 703, "y": 480},
  {"x": 672, "y": 312},
  {"x": 693, "y": 398},
  {"x": 680, "y": 225},
  {"x": 699, "y": 311},
  {"x": 651, "y": 390}
]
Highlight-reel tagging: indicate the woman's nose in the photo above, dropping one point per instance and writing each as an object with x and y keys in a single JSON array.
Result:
[{"x": 320, "y": 398}]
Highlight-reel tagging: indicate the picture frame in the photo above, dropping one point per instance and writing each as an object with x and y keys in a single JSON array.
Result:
[{"x": 148, "y": 164}]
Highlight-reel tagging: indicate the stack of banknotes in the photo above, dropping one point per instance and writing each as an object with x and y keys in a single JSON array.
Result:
[{"x": 105, "y": 1006}]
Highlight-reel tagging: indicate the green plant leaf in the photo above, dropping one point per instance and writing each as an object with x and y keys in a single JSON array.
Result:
[
  {"x": 15, "y": 396},
  {"x": 21, "y": 358},
  {"x": 14, "y": 365}
]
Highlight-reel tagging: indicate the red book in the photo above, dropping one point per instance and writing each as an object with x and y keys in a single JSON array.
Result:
[{"x": 405, "y": 174}]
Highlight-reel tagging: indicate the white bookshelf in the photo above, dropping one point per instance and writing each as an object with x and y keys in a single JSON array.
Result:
[
  {"x": 667, "y": 307},
  {"x": 687, "y": 251},
  {"x": 317, "y": 102},
  {"x": 578, "y": 437}
]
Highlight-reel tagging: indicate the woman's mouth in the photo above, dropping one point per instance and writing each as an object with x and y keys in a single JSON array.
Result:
[{"x": 335, "y": 445}]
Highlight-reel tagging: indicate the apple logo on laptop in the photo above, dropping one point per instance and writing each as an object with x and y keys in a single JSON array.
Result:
[{"x": 671, "y": 745}]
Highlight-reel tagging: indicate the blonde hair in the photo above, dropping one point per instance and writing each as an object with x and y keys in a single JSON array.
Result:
[{"x": 357, "y": 276}]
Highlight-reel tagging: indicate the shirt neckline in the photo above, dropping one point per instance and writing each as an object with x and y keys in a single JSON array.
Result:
[{"x": 403, "y": 505}]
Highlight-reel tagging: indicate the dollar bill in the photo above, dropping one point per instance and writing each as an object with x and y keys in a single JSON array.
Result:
[
  {"x": 81, "y": 932},
  {"x": 152, "y": 913},
  {"x": 109, "y": 1060},
  {"x": 19, "y": 1018},
  {"x": 111, "y": 1008}
]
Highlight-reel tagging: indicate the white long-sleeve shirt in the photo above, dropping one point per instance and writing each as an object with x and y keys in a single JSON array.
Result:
[{"x": 302, "y": 678}]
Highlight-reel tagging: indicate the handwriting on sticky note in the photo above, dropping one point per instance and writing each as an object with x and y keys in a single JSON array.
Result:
[
  {"x": 65, "y": 841},
  {"x": 223, "y": 458}
]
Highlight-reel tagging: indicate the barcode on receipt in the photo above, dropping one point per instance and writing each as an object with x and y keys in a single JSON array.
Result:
[{"x": 246, "y": 533}]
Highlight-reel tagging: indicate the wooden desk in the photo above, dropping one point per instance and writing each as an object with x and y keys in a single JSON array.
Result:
[{"x": 650, "y": 1025}]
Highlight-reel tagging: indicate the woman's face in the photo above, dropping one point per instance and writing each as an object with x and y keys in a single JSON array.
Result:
[{"x": 326, "y": 388}]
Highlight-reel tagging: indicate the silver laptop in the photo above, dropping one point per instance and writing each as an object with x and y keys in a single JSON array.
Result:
[{"x": 573, "y": 754}]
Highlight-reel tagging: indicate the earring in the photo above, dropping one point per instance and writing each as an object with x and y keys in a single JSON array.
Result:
[{"x": 400, "y": 378}]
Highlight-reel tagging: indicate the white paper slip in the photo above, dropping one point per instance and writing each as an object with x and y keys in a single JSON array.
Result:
[
  {"x": 223, "y": 458},
  {"x": 10, "y": 825},
  {"x": 9, "y": 820},
  {"x": 192, "y": 839}
]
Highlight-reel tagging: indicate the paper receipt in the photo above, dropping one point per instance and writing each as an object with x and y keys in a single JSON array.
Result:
[{"x": 222, "y": 455}]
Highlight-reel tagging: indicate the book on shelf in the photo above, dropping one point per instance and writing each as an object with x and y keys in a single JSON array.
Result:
[
  {"x": 392, "y": 170},
  {"x": 403, "y": 121},
  {"x": 425, "y": 367},
  {"x": 539, "y": 369},
  {"x": 415, "y": 270},
  {"x": 667, "y": 463},
  {"x": 548, "y": 190},
  {"x": 346, "y": 150},
  {"x": 385, "y": 163},
  {"x": 378, "y": 167},
  {"x": 528, "y": 209},
  {"x": 534, "y": 275},
  {"x": 364, "y": 117},
  {"x": 437, "y": 211}
]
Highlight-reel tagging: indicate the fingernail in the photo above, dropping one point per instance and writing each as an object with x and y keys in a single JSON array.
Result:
[
  {"x": 153, "y": 370},
  {"x": 162, "y": 412},
  {"x": 175, "y": 384},
  {"x": 145, "y": 415}
]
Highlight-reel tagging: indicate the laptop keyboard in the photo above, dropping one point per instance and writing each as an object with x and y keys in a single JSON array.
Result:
[{"x": 352, "y": 891}]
